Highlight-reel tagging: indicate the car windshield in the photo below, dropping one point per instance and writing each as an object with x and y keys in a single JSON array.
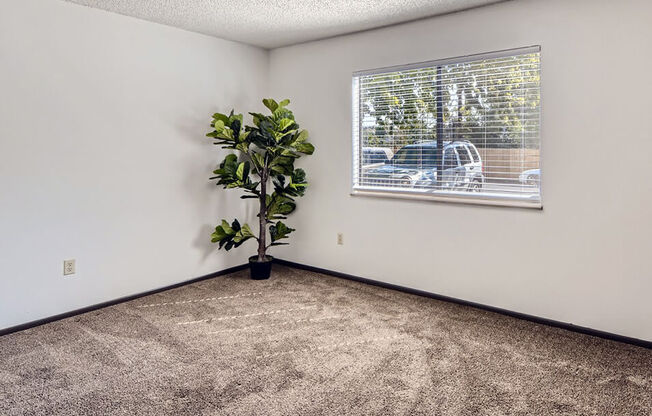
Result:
[
  {"x": 374, "y": 156},
  {"x": 417, "y": 157}
]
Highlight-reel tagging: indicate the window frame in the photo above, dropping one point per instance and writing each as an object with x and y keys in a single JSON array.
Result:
[{"x": 429, "y": 194}]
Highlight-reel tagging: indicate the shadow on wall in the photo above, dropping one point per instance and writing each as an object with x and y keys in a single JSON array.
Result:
[{"x": 207, "y": 203}]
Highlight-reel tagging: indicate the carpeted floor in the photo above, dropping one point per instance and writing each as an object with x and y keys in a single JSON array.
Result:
[{"x": 308, "y": 344}]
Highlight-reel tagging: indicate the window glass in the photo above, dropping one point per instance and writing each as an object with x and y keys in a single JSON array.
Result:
[
  {"x": 450, "y": 159},
  {"x": 474, "y": 153},
  {"x": 406, "y": 156},
  {"x": 465, "y": 158}
]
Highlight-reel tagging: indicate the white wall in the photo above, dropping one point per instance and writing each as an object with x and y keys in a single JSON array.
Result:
[
  {"x": 102, "y": 159},
  {"x": 585, "y": 258},
  {"x": 103, "y": 156}
]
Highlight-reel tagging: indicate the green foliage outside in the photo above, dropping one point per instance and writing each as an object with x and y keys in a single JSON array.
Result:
[
  {"x": 488, "y": 102},
  {"x": 268, "y": 150}
]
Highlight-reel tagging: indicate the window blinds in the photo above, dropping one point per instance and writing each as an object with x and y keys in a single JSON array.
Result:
[{"x": 456, "y": 129}]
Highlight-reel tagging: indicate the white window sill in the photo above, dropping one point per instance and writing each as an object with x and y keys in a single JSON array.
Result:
[{"x": 455, "y": 197}]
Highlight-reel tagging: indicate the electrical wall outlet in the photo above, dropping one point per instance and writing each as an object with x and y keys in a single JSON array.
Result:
[
  {"x": 340, "y": 239},
  {"x": 68, "y": 267}
]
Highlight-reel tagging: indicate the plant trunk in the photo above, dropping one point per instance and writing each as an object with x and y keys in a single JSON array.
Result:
[{"x": 262, "y": 233}]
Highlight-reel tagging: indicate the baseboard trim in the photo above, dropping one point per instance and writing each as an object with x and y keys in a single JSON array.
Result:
[
  {"x": 64, "y": 315},
  {"x": 531, "y": 318}
]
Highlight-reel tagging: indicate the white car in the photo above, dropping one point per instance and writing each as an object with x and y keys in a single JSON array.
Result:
[
  {"x": 530, "y": 177},
  {"x": 375, "y": 156},
  {"x": 415, "y": 165}
]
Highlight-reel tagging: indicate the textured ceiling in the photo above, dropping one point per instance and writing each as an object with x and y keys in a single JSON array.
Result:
[{"x": 274, "y": 23}]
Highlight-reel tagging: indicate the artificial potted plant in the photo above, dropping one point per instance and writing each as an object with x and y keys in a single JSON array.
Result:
[{"x": 267, "y": 150}]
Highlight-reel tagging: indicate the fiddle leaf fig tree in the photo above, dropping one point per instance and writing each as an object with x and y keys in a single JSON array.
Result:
[{"x": 264, "y": 171}]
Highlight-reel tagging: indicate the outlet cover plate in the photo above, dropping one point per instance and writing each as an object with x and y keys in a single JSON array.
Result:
[{"x": 68, "y": 267}]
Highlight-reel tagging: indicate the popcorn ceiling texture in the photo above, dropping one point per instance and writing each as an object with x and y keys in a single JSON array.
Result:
[{"x": 273, "y": 23}]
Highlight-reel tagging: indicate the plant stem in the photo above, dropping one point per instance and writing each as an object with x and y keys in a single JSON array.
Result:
[{"x": 262, "y": 233}]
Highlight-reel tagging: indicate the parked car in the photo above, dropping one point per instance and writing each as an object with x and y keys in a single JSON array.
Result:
[
  {"x": 415, "y": 165},
  {"x": 531, "y": 177},
  {"x": 376, "y": 156}
]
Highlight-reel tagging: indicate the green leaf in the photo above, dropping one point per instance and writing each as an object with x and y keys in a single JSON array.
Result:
[
  {"x": 231, "y": 236},
  {"x": 301, "y": 137},
  {"x": 305, "y": 148},
  {"x": 221, "y": 117},
  {"x": 227, "y": 229},
  {"x": 218, "y": 235},
  {"x": 235, "y": 117},
  {"x": 282, "y": 164},
  {"x": 279, "y": 231},
  {"x": 271, "y": 104},
  {"x": 258, "y": 118},
  {"x": 291, "y": 153},
  {"x": 279, "y": 206},
  {"x": 232, "y": 174},
  {"x": 246, "y": 231},
  {"x": 296, "y": 186},
  {"x": 247, "y": 169},
  {"x": 285, "y": 123},
  {"x": 219, "y": 125},
  {"x": 243, "y": 233},
  {"x": 284, "y": 103},
  {"x": 225, "y": 133},
  {"x": 283, "y": 170},
  {"x": 235, "y": 127},
  {"x": 228, "y": 163},
  {"x": 258, "y": 159},
  {"x": 243, "y": 147},
  {"x": 298, "y": 143},
  {"x": 299, "y": 176}
]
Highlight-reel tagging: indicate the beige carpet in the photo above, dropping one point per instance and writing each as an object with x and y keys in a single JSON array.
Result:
[{"x": 308, "y": 344}]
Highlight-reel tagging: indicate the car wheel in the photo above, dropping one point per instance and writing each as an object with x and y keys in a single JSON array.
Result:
[
  {"x": 405, "y": 182},
  {"x": 475, "y": 186}
]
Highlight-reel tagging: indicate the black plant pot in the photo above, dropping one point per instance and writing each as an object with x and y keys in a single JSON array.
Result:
[{"x": 260, "y": 270}]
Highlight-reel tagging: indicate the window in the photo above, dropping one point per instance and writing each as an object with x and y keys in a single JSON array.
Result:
[
  {"x": 464, "y": 155},
  {"x": 474, "y": 152},
  {"x": 462, "y": 129},
  {"x": 450, "y": 158}
]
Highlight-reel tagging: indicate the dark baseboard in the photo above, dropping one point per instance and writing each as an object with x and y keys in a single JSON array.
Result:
[
  {"x": 531, "y": 318},
  {"x": 116, "y": 301}
]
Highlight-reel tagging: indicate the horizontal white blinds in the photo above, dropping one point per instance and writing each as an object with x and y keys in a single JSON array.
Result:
[{"x": 464, "y": 127}]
